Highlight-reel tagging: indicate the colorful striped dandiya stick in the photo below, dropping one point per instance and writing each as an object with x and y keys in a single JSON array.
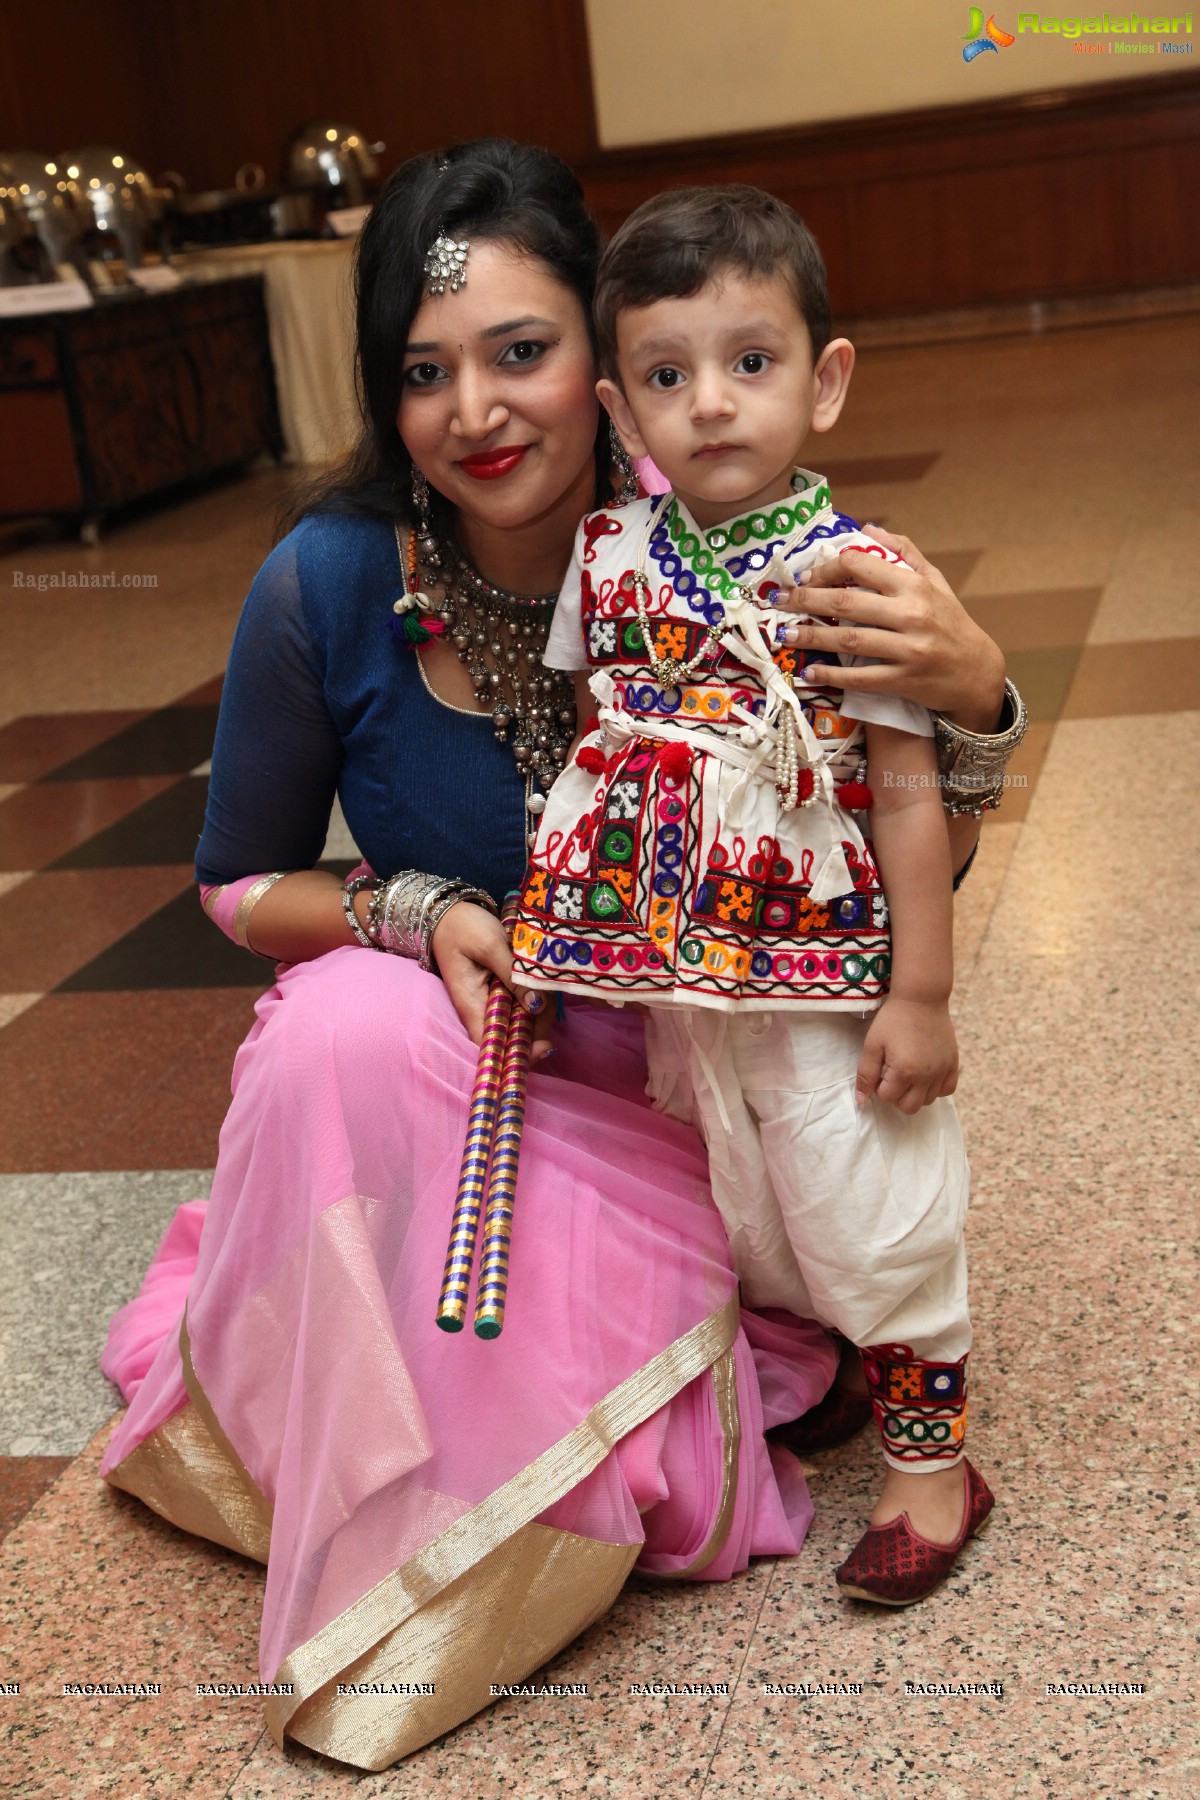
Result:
[
  {"x": 492, "y": 1294},
  {"x": 472, "y": 1178}
]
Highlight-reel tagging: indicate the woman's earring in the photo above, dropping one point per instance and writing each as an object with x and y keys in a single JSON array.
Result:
[
  {"x": 425, "y": 538},
  {"x": 628, "y": 489},
  {"x": 420, "y": 494}
]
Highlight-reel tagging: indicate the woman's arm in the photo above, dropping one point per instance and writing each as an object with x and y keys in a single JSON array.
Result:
[
  {"x": 276, "y": 762},
  {"x": 925, "y": 645}
]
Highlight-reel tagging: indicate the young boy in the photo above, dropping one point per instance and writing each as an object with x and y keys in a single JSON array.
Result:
[{"x": 707, "y": 853}]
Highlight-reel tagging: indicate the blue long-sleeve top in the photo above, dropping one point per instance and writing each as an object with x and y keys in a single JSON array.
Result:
[{"x": 322, "y": 698}]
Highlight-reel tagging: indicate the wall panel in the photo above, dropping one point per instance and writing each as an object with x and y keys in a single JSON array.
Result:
[
  {"x": 204, "y": 85},
  {"x": 671, "y": 69},
  {"x": 1162, "y": 182},
  {"x": 1086, "y": 191}
]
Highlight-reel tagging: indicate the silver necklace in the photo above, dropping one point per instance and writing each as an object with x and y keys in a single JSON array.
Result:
[{"x": 500, "y": 638}]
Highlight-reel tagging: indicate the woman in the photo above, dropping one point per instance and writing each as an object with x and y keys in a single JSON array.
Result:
[{"x": 437, "y": 1512}]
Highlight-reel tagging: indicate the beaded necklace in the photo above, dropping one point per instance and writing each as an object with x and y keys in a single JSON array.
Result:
[{"x": 500, "y": 638}]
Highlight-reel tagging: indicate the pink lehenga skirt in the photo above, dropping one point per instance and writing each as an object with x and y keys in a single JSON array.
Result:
[{"x": 437, "y": 1513}]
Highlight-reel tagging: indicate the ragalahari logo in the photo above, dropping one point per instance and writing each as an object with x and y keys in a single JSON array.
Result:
[{"x": 983, "y": 37}]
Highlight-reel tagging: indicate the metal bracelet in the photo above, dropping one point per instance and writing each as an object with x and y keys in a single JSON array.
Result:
[
  {"x": 398, "y": 913},
  {"x": 972, "y": 763},
  {"x": 350, "y": 889},
  {"x": 247, "y": 904},
  {"x": 407, "y": 909},
  {"x": 436, "y": 911}
]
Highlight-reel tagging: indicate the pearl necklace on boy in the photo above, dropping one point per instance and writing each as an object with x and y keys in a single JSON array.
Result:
[{"x": 790, "y": 772}]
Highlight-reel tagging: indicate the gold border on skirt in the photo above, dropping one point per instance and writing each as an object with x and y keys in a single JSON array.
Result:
[
  {"x": 394, "y": 1600},
  {"x": 490, "y": 1600},
  {"x": 505, "y": 1616},
  {"x": 724, "y": 1377},
  {"x": 188, "y": 1472}
]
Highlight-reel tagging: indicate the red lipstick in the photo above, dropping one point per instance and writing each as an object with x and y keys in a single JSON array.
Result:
[{"x": 489, "y": 465}]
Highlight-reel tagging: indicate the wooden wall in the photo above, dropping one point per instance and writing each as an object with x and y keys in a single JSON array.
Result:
[
  {"x": 1090, "y": 189},
  {"x": 204, "y": 85},
  {"x": 1083, "y": 191}
]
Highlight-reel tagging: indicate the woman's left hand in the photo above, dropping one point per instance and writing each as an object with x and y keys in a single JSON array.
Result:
[
  {"x": 924, "y": 644},
  {"x": 470, "y": 946}
]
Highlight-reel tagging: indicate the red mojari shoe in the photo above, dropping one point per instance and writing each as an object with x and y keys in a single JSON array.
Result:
[{"x": 893, "y": 1565}]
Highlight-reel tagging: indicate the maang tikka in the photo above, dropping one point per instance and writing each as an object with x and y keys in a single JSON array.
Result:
[{"x": 446, "y": 264}]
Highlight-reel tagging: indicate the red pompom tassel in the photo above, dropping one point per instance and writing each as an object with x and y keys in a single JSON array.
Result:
[
  {"x": 855, "y": 796},
  {"x": 675, "y": 762},
  {"x": 804, "y": 785},
  {"x": 590, "y": 760}
]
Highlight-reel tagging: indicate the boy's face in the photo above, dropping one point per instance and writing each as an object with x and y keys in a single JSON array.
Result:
[{"x": 719, "y": 388}]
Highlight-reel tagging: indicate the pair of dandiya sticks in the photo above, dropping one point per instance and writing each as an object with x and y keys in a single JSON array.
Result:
[{"x": 487, "y": 1181}]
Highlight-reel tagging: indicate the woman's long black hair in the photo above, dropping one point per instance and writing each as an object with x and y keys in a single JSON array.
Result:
[{"x": 490, "y": 188}]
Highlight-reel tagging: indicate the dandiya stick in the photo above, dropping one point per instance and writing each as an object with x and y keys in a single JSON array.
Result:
[
  {"x": 472, "y": 1178},
  {"x": 492, "y": 1294}
]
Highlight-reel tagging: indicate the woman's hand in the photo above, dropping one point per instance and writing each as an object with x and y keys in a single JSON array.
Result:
[
  {"x": 469, "y": 947},
  {"x": 927, "y": 647}
]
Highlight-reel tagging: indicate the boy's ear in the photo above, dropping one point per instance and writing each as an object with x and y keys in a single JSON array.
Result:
[
  {"x": 617, "y": 408},
  {"x": 831, "y": 378}
]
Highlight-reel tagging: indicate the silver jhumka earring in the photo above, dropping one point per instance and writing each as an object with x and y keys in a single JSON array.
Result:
[
  {"x": 426, "y": 542},
  {"x": 628, "y": 489},
  {"x": 446, "y": 264}
]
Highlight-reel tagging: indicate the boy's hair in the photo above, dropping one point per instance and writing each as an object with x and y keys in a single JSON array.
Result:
[{"x": 677, "y": 241}]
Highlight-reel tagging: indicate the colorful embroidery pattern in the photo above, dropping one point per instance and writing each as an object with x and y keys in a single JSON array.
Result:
[
  {"x": 921, "y": 1407},
  {"x": 759, "y": 555},
  {"x": 748, "y": 928},
  {"x": 639, "y": 884}
]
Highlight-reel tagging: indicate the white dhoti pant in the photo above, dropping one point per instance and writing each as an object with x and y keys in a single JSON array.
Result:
[{"x": 850, "y": 1214}]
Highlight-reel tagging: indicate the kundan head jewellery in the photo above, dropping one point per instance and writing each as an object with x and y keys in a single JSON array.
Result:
[{"x": 446, "y": 264}]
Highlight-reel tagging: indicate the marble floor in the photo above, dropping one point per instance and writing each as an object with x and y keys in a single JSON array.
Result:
[{"x": 1054, "y": 479}]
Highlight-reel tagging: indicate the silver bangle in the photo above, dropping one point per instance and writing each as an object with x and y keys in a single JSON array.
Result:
[
  {"x": 247, "y": 904},
  {"x": 398, "y": 912},
  {"x": 972, "y": 763},
  {"x": 437, "y": 910},
  {"x": 410, "y": 907},
  {"x": 349, "y": 890},
  {"x": 407, "y": 909}
]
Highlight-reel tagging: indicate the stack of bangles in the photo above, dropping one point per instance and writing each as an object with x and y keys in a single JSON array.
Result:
[{"x": 406, "y": 910}]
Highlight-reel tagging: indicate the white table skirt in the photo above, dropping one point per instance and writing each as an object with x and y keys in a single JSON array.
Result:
[{"x": 310, "y": 313}]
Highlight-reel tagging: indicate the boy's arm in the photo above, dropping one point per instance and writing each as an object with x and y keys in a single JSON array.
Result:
[{"x": 910, "y": 1055}]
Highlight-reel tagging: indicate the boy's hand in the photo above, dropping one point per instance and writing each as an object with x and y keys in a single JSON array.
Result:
[{"x": 910, "y": 1057}]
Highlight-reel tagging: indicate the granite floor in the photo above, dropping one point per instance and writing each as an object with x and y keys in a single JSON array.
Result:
[{"x": 1054, "y": 479}]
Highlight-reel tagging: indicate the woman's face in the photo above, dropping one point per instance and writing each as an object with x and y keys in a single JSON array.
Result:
[{"x": 498, "y": 406}]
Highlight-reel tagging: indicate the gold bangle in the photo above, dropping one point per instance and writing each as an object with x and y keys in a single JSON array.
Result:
[{"x": 247, "y": 904}]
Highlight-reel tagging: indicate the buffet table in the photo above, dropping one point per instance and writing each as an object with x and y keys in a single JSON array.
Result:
[
  {"x": 132, "y": 397},
  {"x": 310, "y": 313}
]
